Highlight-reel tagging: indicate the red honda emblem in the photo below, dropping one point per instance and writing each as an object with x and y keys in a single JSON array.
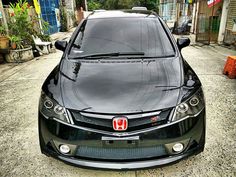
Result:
[{"x": 120, "y": 123}]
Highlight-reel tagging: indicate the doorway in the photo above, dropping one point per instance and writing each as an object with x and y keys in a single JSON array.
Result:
[{"x": 208, "y": 22}]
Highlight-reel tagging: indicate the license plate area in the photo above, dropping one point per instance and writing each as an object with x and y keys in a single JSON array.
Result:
[{"x": 120, "y": 142}]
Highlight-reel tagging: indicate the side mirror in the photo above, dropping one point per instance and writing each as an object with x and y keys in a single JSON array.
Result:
[
  {"x": 183, "y": 42},
  {"x": 61, "y": 45}
]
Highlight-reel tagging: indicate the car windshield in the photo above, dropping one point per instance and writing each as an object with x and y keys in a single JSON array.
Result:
[{"x": 140, "y": 37}]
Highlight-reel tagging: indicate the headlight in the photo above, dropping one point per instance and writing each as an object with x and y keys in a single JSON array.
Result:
[
  {"x": 191, "y": 107},
  {"x": 51, "y": 109}
]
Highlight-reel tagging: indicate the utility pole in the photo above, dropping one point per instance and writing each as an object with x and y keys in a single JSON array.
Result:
[{"x": 2, "y": 16}]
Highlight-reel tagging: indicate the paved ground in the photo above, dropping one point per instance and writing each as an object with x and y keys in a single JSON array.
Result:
[{"x": 19, "y": 147}]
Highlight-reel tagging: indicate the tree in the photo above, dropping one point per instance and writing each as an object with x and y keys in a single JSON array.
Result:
[
  {"x": 150, "y": 4},
  {"x": 120, "y": 4},
  {"x": 80, "y": 3},
  {"x": 94, "y": 5}
]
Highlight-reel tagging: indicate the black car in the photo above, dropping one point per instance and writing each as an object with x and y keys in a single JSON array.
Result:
[{"x": 122, "y": 96}]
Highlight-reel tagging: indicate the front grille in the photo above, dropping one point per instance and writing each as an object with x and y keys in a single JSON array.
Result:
[
  {"x": 106, "y": 124},
  {"x": 120, "y": 153}
]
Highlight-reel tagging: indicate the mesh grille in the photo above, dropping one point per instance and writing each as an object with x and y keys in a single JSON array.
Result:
[
  {"x": 120, "y": 153},
  {"x": 133, "y": 124}
]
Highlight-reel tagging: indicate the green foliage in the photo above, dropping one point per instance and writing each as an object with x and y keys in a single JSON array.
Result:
[
  {"x": 120, "y": 4},
  {"x": 44, "y": 37},
  {"x": 150, "y": 4},
  {"x": 20, "y": 25},
  {"x": 128, "y": 4},
  {"x": 40, "y": 33},
  {"x": 63, "y": 19},
  {"x": 14, "y": 39},
  {"x": 94, "y": 5},
  {"x": 3, "y": 31},
  {"x": 45, "y": 25},
  {"x": 17, "y": 40}
]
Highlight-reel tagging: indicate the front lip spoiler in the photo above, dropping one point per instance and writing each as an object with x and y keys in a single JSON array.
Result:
[{"x": 128, "y": 165}]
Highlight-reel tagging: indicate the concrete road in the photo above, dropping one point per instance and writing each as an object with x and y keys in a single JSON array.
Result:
[{"x": 19, "y": 148}]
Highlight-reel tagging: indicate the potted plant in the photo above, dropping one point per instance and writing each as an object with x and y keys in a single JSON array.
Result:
[
  {"x": 20, "y": 29},
  {"x": 4, "y": 41},
  {"x": 15, "y": 42}
]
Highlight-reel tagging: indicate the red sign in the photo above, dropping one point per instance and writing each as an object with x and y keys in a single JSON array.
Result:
[
  {"x": 211, "y": 3},
  {"x": 120, "y": 123}
]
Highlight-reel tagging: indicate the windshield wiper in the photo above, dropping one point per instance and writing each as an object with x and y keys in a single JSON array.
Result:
[
  {"x": 161, "y": 56},
  {"x": 169, "y": 88},
  {"x": 105, "y": 55}
]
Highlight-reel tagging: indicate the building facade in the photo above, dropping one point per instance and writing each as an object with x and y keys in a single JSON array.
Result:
[
  {"x": 207, "y": 20},
  {"x": 213, "y": 21},
  {"x": 230, "y": 24},
  {"x": 175, "y": 11},
  {"x": 216, "y": 23}
]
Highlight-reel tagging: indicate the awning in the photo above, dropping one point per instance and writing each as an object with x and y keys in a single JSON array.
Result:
[{"x": 211, "y": 3}]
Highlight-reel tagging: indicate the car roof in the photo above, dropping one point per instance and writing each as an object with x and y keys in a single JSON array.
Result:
[{"x": 121, "y": 13}]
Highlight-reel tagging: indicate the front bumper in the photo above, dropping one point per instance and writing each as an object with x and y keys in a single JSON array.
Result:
[{"x": 153, "y": 147}]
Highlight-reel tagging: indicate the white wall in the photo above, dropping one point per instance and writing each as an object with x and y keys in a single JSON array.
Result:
[{"x": 223, "y": 21}]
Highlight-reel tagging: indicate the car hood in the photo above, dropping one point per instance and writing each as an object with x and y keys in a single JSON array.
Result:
[{"x": 120, "y": 86}]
